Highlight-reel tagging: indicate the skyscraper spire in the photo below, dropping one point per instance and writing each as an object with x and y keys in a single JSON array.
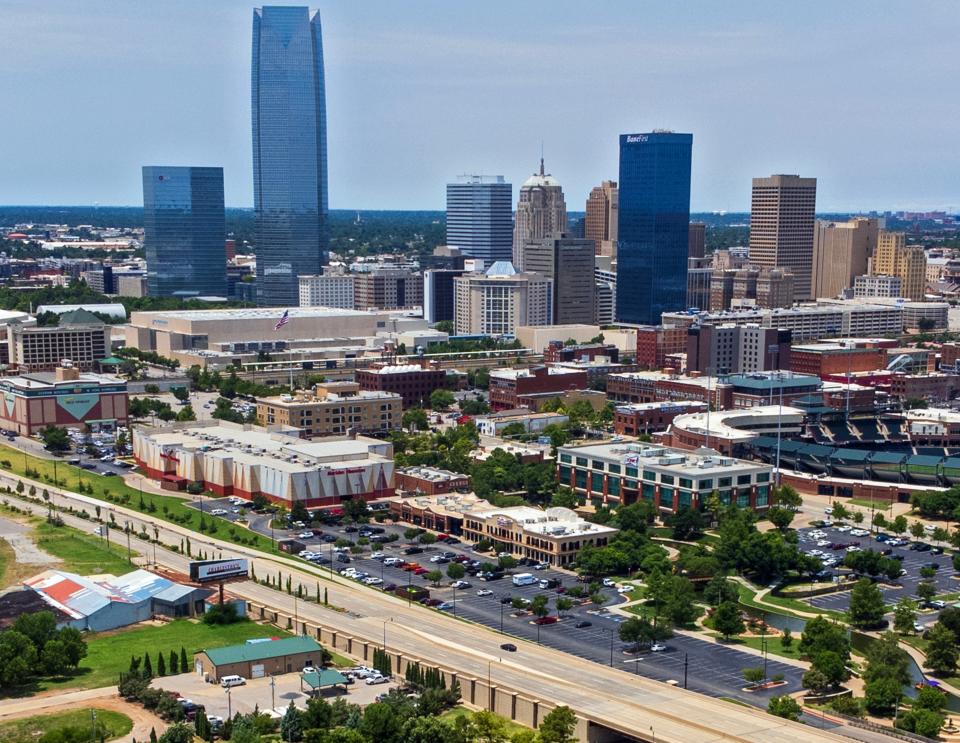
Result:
[{"x": 541, "y": 157}]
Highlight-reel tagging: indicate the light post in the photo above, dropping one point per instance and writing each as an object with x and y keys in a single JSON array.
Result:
[
  {"x": 93, "y": 723},
  {"x": 501, "y": 614},
  {"x": 611, "y": 647},
  {"x": 686, "y": 658},
  {"x": 273, "y": 698},
  {"x": 454, "y": 601},
  {"x": 229, "y": 705},
  {"x": 489, "y": 686}
]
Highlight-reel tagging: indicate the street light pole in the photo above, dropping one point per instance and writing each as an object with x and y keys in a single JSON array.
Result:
[
  {"x": 685, "y": 664},
  {"x": 229, "y": 705},
  {"x": 501, "y": 615},
  {"x": 273, "y": 698}
]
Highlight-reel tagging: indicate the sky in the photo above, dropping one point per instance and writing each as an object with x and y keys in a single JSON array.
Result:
[{"x": 860, "y": 94}]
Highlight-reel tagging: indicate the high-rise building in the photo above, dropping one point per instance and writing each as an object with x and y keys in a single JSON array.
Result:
[
  {"x": 893, "y": 257},
  {"x": 697, "y": 243},
  {"x": 438, "y": 298},
  {"x": 654, "y": 225},
  {"x": 541, "y": 212},
  {"x": 840, "y": 253},
  {"x": 183, "y": 231},
  {"x": 600, "y": 222},
  {"x": 733, "y": 349},
  {"x": 289, "y": 151},
  {"x": 327, "y": 290},
  {"x": 781, "y": 227},
  {"x": 501, "y": 300},
  {"x": 699, "y": 274},
  {"x": 865, "y": 287},
  {"x": 480, "y": 217},
  {"x": 569, "y": 263},
  {"x": 775, "y": 288},
  {"x": 388, "y": 289}
]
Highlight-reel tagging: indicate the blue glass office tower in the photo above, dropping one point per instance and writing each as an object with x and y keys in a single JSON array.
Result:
[
  {"x": 289, "y": 151},
  {"x": 184, "y": 231},
  {"x": 480, "y": 217},
  {"x": 654, "y": 219}
]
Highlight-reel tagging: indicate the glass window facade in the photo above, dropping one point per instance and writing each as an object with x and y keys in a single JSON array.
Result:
[
  {"x": 184, "y": 231},
  {"x": 654, "y": 218},
  {"x": 289, "y": 150}
]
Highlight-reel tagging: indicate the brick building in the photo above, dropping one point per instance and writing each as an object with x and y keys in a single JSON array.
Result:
[
  {"x": 648, "y": 417},
  {"x": 654, "y": 386},
  {"x": 259, "y": 659},
  {"x": 412, "y": 382},
  {"x": 821, "y": 359},
  {"x": 430, "y": 480},
  {"x": 656, "y": 342},
  {"x": 506, "y": 385},
  {"x": 557, "y": 352}
]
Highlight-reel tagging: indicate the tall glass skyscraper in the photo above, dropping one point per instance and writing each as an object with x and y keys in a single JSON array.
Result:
[
  {"x": 184, "y": 231},
  {"x": 289, "y": 151},
  {"x": 480, "y": 217},
  {"x": 654, "y": 218}
]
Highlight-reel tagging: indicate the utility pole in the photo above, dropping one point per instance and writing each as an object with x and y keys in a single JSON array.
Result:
[
  {"x": 273, "y": 698},
  {"x": 685, "y": 663}
]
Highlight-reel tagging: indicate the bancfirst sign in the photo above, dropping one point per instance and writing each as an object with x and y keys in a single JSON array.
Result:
[
  {"x": 213, "y": 570},
  {"x": 637, "y": 138}
]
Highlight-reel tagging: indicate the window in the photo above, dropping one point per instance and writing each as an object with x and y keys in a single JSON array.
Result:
[
  {"x": 763, "y": 495},
  {"x": 648, "y": 491},
  {"x": 685, "y": 483},
  {"x": 564, "y": 474},
  {"x": 685, "y": 499},
  {"x": 666, "y": 497},
  {"x": 725, "y": 482},
  {"x": 743, "y": 479},
  {"x": 649, "y": 476},
  {"x": 743, "y": 499},
  {"x": 666, "y": 479},
  {"x": 565, "y": 458},
  {"x": 631, "y": 472},
  {"x": 581, "y": 479},
  {"x": 596, "y": 482},
  {"x": 725, "y": 497},
  {"x": 615, "y": 468},
  {"x": 613, "y": 486},
  {"x": 597, "y": 465},
  {"x": 705, "y": 485},
  {"x": 763, "y": 477},
  {"x": 581, "y": 462}
]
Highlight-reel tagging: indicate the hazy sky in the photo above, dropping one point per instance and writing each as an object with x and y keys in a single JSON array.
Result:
[{"x": 861, "y": 95}]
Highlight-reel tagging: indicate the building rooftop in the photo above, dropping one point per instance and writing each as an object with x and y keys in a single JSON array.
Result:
[
  {"x": 518, "y": 414},
  {"x": 679, "y": 461},
  {"x": 261, "y": 313},
  {"x": 736, "y": 425},
  {"x": 261, "y": 650},
  {"x": 553, "y": 522},
  {"x": 398, "y": 369},
  {"x": 523, "y": 373},
  {"x": 933, "y": 415},
  {"x": 48, "y": 380},
  {"x": 661, "y": 405},
  {"x": 433, "y": 474},
  {"x": 112, "y": 309},
  {"x": 289, "y": 401},
  {"x": 773, "y": 380}
]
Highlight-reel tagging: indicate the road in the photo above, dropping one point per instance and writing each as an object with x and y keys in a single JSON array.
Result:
[{"x": 634, "y": 706}]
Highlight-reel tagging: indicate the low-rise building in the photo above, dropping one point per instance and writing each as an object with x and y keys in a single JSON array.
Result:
[
  {"x": 557, "y": 352},
  {"x": 259, "y": 658},
  {"x": 507, "y": 385},
  {"x": 414, "y": 383},
  {"x": 442, "y": 513},
  {"x": 327, "y": 290},
  {"x": 64, "y": 397},
  {"x": 79, "y": 336},
  {"x": 933, "y": 427},
  {"x": 769, "y": 388},
  {"x": 430, "y": 480},
  {"x": 333, "y": 408},
  {"x": 536, "y": 400},
  {"x": 655, "y": 386},
  {"x": 871, "y": 286},
  {"x": 821, "y": 359},
  {"x": 669, "y": 479},
  {"x": 656, "y": 342},
  {"x": 246, "y": 461},
  {"x": 532, "y": 422},
  {"x": 649, "y": 417},
  {"x": 725, "y": 430}
]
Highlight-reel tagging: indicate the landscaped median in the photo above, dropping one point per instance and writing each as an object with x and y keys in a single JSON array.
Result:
[{"x": 78, "y": 724}]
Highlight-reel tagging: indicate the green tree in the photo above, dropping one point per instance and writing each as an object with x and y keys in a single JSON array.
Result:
[
  {"x": 539, "y": 605},
  {"x": 840, "y": 512},
  {"x": 291, "y": 724},
  {"x": 456, "y": 571},
  {"x": 941, "y": 651},
  {"x": 780, "y": 517},
  {"x": 719, "y": 590},
  {"x": 916, "y": 529},
  {"x": 55, "y": 439},
  {"x": 784, "y": 706},
  {"x": 787, "y": 496},
  {"x": 899, "y": 524},
  {"x": 558, "y": 726},
  {"x": 816, "y": 681},
  {"x": 832, "y": 666},
  {"x": 441, "y": 399},
  {"x": 487, "y": 727},
  {"x": 866, "y": 604},
  {"x": 923, "y": 722},
  {"x": 926, "y": 590},
  {"x": 753, "y": 676},
  {"x": 434, "y": 576},
  {"x": 687, "y": 524},
  {"x": 415, "y": 419},
  {"x": 904, "y": 616},
  {"x": 180, "y": 393},
  {"x": 727, "y": 620},
  {"x": 179, "y": 732},
  {"x": 40, "y": 627},
  {"x": 161, "y": 665},
  {"x": 821, "y": 634},
  {"x": 174, "y": 664}
]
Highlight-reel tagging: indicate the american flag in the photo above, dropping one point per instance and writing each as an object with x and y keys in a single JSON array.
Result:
[{"x": 283, "y": 320}]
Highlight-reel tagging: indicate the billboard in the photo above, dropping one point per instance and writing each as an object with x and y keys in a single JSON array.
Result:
[{"x": 204, "y": 571}]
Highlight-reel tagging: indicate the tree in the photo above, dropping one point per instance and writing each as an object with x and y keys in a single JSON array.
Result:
[
  {"x": 558, "y": 726},
  {"x": 719, "y": 590},
  {"x": 821, "y": 634},
  {"x": 415, "y": 419},
  {"x": 784, "y": 706},
  {"x": 434, "y": 576},
  {"x": 291, "y": 725},
  {"x": 456, "y": 571},
  {"x": 904, "y": 616},
  {"x": 881, "y": 695},
  {"x": 780, "y": 517},
  {"x": 40, "y": 627},
  {"x": 941, "y": 651},
  {"x": 727, "y": 620},
  {"x": 441, "y": 399},
  {"x": 55, "y": 439},
  {"x": 174, "y": 663},
  {"x": 680, "y": 606},
  {"x": 922, "y": 721},
  {"x": 885, "y": 675},
  {"x": 183, "y": 660},
  {"x": 635, "y": 630},
  {"x": 636, "y": 517},
  {"x": 161, "y": 665},
  {"x": 356, "y": 510},
  {"x": 787, "y": 496},
  {"x": 786, "y": 639},
  {"x": 380, "y": 723},
  {"x": 832, "y": 666},
  {"x": 866, "y": 604},
  {"x": 180, "y": 393},
  {"x": 539, "y": 605},
  {"x": 899, "y": 524},
  {"x": 926, "y": 590},
  {"x": 687, "y": 524},
  {"x": 179, "y": 732},
  {"x": 916, "y": 529},
  {"x": 816, "y": 681},
  {"x": 840, "y": 512},
  {"x": 562, "y": 604},
  {"x": 753, "y": 676},
  {"x": 53, "y": 658},
  {"x": 487, "y": 727}
]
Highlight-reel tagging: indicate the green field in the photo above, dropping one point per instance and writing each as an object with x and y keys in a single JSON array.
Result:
[
  {"x": 789, "y": 606},
  {"x": 512, "y": 727},
  {"x": 108, "y": 653},
  {"x": 82, "y": 553},
  {"x": 774, "y": 644},
  {"x": 115, "y": 490},
  {"x": 30, "y": 729}
]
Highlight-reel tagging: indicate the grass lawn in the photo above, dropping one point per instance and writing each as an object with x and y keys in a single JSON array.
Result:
[
  {"x": 774, "y": 644},
  {"x": 512, "y": 727},
  {"x": 30, "y": 729},
  {"x": 108, "y": 653},
  {"x": 115, "y": 490},
  {"x": 80, "y": 552},
  {"x": 878, "y": 505},
  {"x": 790, "y": 606}
]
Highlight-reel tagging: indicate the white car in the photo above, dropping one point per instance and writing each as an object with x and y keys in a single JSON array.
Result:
[
  {"x": 828, "y": 511},
  {"x": 461, "y": 584},
  {"x": 823, "y": 543},
  {"x": 657, "y": 648},
  {"x": 305, "y": 535},
  {"x": 625, "y": 588},
  {"x": 484, "y": 592},
  {"x": 309, "y": 669},
  {"x": 348, "y": 572},
  {"x": 844, "y": 528},
  {"x": 609, "y": 582},
  {"x": 854, "y": 548},
  {"x": 393, "y": 561},
  {"x": 373, "y": 680},
  {"x": 372, "y": 581},
  {"x": 308, "y": 555},
  {"x": 219, "y": 512},
  {"x": 859, "y": 533}
]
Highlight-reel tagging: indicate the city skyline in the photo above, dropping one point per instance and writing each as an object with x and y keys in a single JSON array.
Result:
[{"x": 391, "y": 74}]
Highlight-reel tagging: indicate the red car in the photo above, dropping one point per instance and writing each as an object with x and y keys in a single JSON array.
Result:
[
  {"x": 408, "y": 566},
  {"x": 420, "y": 570},
  {"x": 545, "y": 620}
]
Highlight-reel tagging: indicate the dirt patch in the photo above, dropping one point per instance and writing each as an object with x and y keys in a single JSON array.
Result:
[
  {"x": 24, "y": 550},
  {"x": 142, "y": 719}
]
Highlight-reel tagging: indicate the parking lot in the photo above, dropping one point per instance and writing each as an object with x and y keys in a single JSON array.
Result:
[{"x": 825, "y": 540}]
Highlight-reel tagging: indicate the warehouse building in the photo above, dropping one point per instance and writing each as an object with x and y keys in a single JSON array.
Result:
[
  {"x": 107, "y": 602},
  {"x": 245, "y": 461},
  {"x": 258, "y": 658}
]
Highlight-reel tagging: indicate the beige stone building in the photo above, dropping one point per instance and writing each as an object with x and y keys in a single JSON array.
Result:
[
  {"x": 781, "y": 227},
  {"x": 568, "y": 262},
  {"x": 775, "y": 288},
  {"x": 541, "y": 211},
  {"x": 327, "y": 290},
  {"x": 80, "y": 336},
  {"x": 333, "y": 408},
  {"x": 600, "y": 223},
  {"x": 893, "y": 257},
  {"x": 388, "y": 289},
  {"x": 501, "y": 300},
  {"x": 841, "y": 251}
]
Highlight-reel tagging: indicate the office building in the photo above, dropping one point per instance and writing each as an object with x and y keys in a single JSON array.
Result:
[
  {"x": 538, "y": 337},
  {"x": 333, "y": 408},
  {"x": 657, "y": 342},
  {"x": 654, "y": 225},
  {"x": 840, "y": 253},
  {"x": 541, "y": 212},
  {"x": 289, "y": 151},
  {"x": 600, "y": 222},
  {"x": 781, "y": 227},
  {"x": 558, "y": 352},
  {"x": 412, "y": 382},
  {"x": 327, "y": 290},
  {"x": 438, "y": 294},
  {"x": 605, "y": 302},
  {"x": 668, "y": 479},
  {"x": 246, "y": 461},
  {"x": 775, "y": 288},
  {"x": 388, "y": 289},
  {"x": 508, "y": 385},
  {"x": 183, "y": 231},
  {"x": 100, "y": 279},
  {"x": 697, "y": 241},
  {"x": 494, "y": 424},
  {"x": 699, "y": 276},
  {"x": 648, "y": 417},
  {"x": 568, "y": 263},
  {"x": 869, "y": 286},
  {"x": 893, "y": 257},
  {"x": 822, "y": 359},
  {"x": 501, "y": 300},
  {"x": 430, "y": 481},
  {"x": 734, "y": 349},
  {"x": 80, "y": 336},
  {"x": 480, "y": 217},
  {"x": 64, "y": 397},
  {"x": 270, "y": 657}
]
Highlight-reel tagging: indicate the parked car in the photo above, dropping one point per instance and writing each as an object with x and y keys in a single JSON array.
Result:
[
  {"x": 657, "y": 647},
  {"x": 583, "y": 623},
  {"x": 484, "y": 592},
  {"x": 373, "y": 680}
]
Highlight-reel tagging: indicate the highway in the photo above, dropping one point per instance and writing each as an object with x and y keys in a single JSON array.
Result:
[{"x": 635, "y": 707}]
